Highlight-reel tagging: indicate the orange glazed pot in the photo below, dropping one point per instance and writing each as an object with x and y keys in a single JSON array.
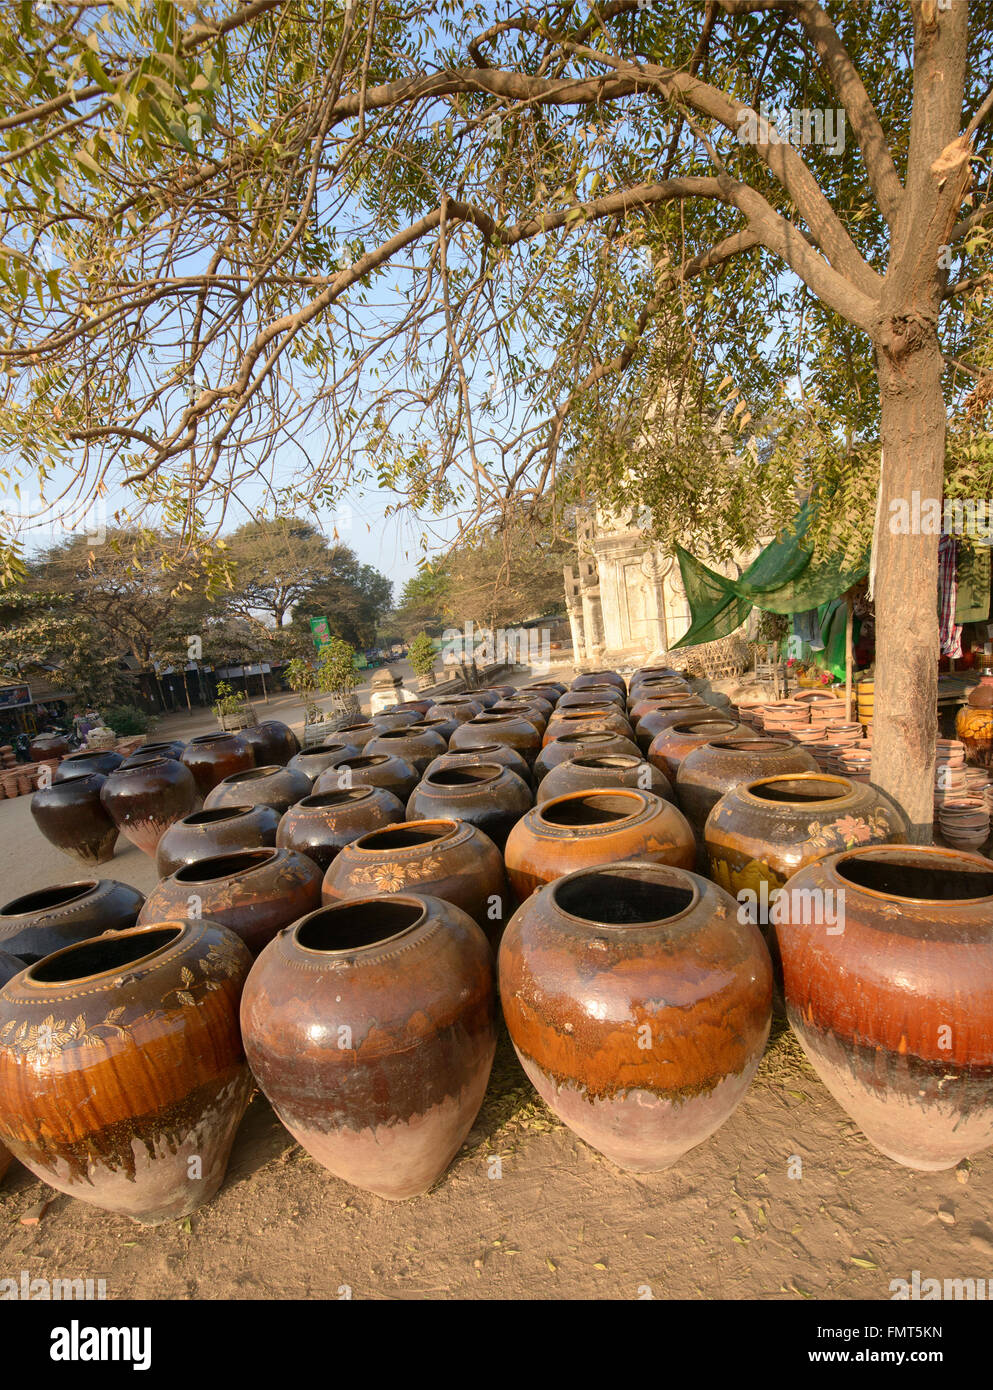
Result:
[
  {"x": 639, "y": 1006},
  {"x": 371, "y": 1027},
  {"x": 706, "y": 773},
  {"x": 895, "y": 1009},
  {"x": 122, "y": 1076},
  {"x": 668, "y": 748},
  {"x": 582, "y": 829}
]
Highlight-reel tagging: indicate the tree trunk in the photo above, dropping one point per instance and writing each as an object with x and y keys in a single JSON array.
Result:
[{"x": 905, "y": 586}]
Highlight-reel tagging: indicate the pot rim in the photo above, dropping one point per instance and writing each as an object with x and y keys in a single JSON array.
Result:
[
  {"x": 633, "y": 792},
  {"x": 213, "y": 738},
  {"x": 216, "y": 814},
  {"x": 735, "y": 745},
  {"x": 85, "y": 886},
  {"x": 247, "y": 774},
  {"x": 598, "y": 759},
  {"x": 453, "y": 827},
  {"x": 642, "y": 866},
  {"x": 371, "y": 898},
  {"x": 263, "y": 855},
  {"x": 179, "y": 927},
  {"x": 316, "y": 800},
  {"x": 140, "y": 767},
  {"x": 495, "y": 771},
  {"x": 833, "y": 777},
  {"x": 938, "y": 851}
]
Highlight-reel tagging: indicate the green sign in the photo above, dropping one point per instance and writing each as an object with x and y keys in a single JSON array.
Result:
[{"x": 321, "y": 632}]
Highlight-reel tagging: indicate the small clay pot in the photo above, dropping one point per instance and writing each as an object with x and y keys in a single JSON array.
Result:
[
  {"x": 578, "y": 745},
  {"x": 598, "y": 771},
  {"x": 517, "y": 733},
  {"x": 36, "y": 924},
  {"x": 484, "y": 753},
  {"x": 144, "y": 800},
  {"x": 87, "y": 764},
  {"x": 320, "y": 825},
  {"x": 386, "y": 770},
  {"x": 72, "y": 817},
  {"x": 205, "y": 834},
  {"x": 275, "y": 786},
  {"x": 416, "y": 745},
  {"x": 212, "y": 757},
  {"x": 487, "y": 795},
  {"x": 314, "y": 760}
]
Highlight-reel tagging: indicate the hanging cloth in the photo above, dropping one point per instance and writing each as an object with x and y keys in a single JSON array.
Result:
[{"x": 950, "y": 632}]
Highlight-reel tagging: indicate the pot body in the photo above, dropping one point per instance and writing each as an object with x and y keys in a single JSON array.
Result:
[
  {"x": 458, "y": 707},
  {"x": 389, "y": 1111},
  {"x": 321, "y": 825},
  {"x": 581, "y": 721},
  {"x": 581, "y": 829},
  {"x": 72, "y": 817},
  {"x": 706, "y": 773},
  {"x": 488, "y": 796},
  {"x": 111, "y": 1087},
  {"x": 86, "y": 764},
  {"x": 663, "y": 716},
  {"x": 275, "y": 786},
  {"x": 894, "y": 1011},
  {"x": 254, "y": 893},
  {"x": 416, "y": 745},
  {"x": 385, "y": 770},
  {"x": 212, "y": 757},
  {"x": 510, "y": 729},
  {"x": 974, "y": 728},
  {"x": 594, "y": 695},
  {"x": 143, "y": 801},
  {"x": 318, "y": 758},
  {"x": 582, "y": 745},
  {"x": 37, "y": 924},
  {"x": 208, "y": 833},
  {"x": 600, "y": 678},
  {"x": 272, "y": 742},
  {"x": 668, "y": 748},
  {"x": 639, "y": 1007},
  {"x": 48, "y": 746},
  {"x": 595, "y": 771},
  {"x": 483, "y": 753}
]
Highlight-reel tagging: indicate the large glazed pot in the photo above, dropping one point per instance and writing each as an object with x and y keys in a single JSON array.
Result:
[
  {"x": 519, "y": 704},
  {"x": 320, "y": 756},
  {"x": 593, "y": 695},
  {"x": 638, "y": 1005},
  {"x": 580, "y": 721},
  {"x": 347, "y": 736},
  {"x": 706, "y": 773},
  {"x": 405, "y": 706},
  {"x": 144, "y": 800},
  {"x": 398, "y": 719},
  {"x": 487, "y": 696},
  {"x": 461, "y": 708},
  {"x": 272, "y": 742},
  {"x": 322, "y": 824},
  {"x": 37, "y": 924},
  {"x": 212, "y": 757},
  {"x": 766, "y": 830},
  {"x": 371, "y": 1029},
  {"x": 122, "y": 1074},
  {"x": 369, "y": 770},
  {"x": 483, "y": 753},
  {"x": 488, "y": 796},
  {"x": 581, "y": 829},
  {"x": 86, "y": 764},
  {"x": 416, "y": 745},
  {"x": 208, "y": 833},
  {"x": 72, "y": 817},
  {"x": 523, "y": 711},
  {"x": 651, "y": 722},
  {"x": 48, "y": 746},
  {"x": 600, "y": 678},
  {"x": 440, "y": 724},
  {"x": 555, "y": 688},
  {"x": 594, "y": 772},
  {"x": 579, "y": 745},
  {"x": 446, "y": 858},
  {"x": 170, "y": 748},
  {"x": 894, "y": 1005},
  {"x": 252, "y": 892},
  {"x": 668, "y": 748},
  {"x": 510, "y": 729},
  {"x": 275, "y": 786}
]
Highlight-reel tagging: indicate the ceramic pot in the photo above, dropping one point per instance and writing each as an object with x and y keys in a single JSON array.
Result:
[
  {"x": 600, "y": 678},
  {"x": 487, "y": 697},
  {"x": 650, "y": 724},
  {"x": 252, "y": 892},
  {"x": 974, "y": 728},
  {"x": 597, "y": 771},
  {"x": 10, "y": 966},
  {"x": 556, "y": 688},
  {"x": 596, "y": 695},
  {"x": 316, "y": 759},
  {"x": 347, "y": 736},
  {"x": 505, "y": 691},
  {"x": 143, "y": 801},
  {"x": 420, "y": 707},
  {"x": 659, "y": 688},
  {"x": 48, "y": 746},
  {"x": 166, "y": 748},
  {"x": 87, "y": 764},
  {"x": 416, "y": 745},
  {"x": 398, "y": 719},
  {"x": 71, "y": 817},
  {"x": 668, "y": 748},
  {"x": 122, "y": 1075},
  {"x": 639, "y": 1007},
  {"x": 517, "y": 733},
  {"x": 487, "y": 795},
  {"x": 652, "y": 704},
  {"x": 320, "y": 825},
  {"x": 523, "y": 711},
  {"x": 446, "y": 858},
  {"x": 578, "y": 745},
  {"x": 272, "y": 742},
  {"x": 386, "y": 770},
  {"x": 212, "y": 757},
  {"x": 581, "y": 829},
  {"x": 516, "y": 704},
  {"x": 461, "y": 708},
  {"x": 895, "y": 1011},
  {"x": 410, "y": 980},
  {"x": 483, "y": 753},
  {"x": 37, "y": 924},
  {"x": 766, "y": 830},
  {"x": 208, "y": 833},
  {"x": 440, "y": 725},
  {"x": 278, "y": 787},
  {"x": 707, "y": 772},
  {"x": 595, "y": 719}
]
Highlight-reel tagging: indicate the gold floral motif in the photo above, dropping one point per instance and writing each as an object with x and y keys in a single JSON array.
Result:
[
  {"x": 849, "y": 831},
  {"x": 391, "y": 877}
]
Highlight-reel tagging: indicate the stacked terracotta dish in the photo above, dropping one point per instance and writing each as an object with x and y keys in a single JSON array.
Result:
[{"x": 964, "y": 821}]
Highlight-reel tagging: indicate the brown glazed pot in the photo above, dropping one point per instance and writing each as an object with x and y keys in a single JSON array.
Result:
[
  {"x": 48, "y": 746},
  {"x": 321, "y": 825},
  {"x": 212, "y": 757},
  {"x": 272, "y": 742},
  {"x": 600, "y": 678},
  {"x": 576, "y": 721},
  {"x": 666, "y": 713},
  {"x": 581, "y": 829},
  {"x": 122, "y": 1075},
  {"x": 766, "y": 830},
  {"x": 446, "y": 858},
  {"x": 369, "y": 770},
  {"x": 208, "y": 833},
  {"x": 252, "y": 892},
  {"x": 408, "y": 982},
  {"x": 579, "y": 745},
  {"x": 37, "y": 924},
  {"x": 420, "y": 706},
  {"x": 487, "y": 696},
  {"x": 439, "y": 724},
  {"x": 144, "y": 801},
  {"x": 86, "y": 764},
  {"x": 71, "y": 817},
  {"x": 461, "y": 708},
  {"x": 396, "y": 719},
  {"x": 519, "y": 703},
  {"x": 320, "y": 756},
  {"x": 593, "y": 695},
  {"x": 510, "y": 729},
  {"x": 347, "y": 736},
  {"x": 483, "y": 753},
  {"x": 594, "y": 772},
  {"x": 9, "y": 967},
  {"x": 556, "y": 688},
  {"x": 668, "y": 748},
  {"x": 706, "y": 773},
  {"x": 895, "y": 1011},
  {"x": 488, "y": 796},
  {"x": 275, "y": 786},
  {"x": 416, "y": 745},
  {"x": 639, "y": 1007},
  {"x": 523, "y": 711},
  {"x": 171, "y": 748}
]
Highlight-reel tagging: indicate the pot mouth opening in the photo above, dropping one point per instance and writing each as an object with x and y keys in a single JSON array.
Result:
[
  {"x": 45, "y": 898},
  {"x": 477, "y": 774},
  {"x": 224, "y": 865},
  {"x": 624, "y": 760},
  {"x": 215, "y": 738},
  {"x": 366, "y": 760},
  {"x": 751, "y": 745},
  {"x": 323, "y": 748},
  {"x": 493, "y": 718},
  {"x": 138, "y": 760},
  {"x": 220, "y": 813},
  {"x": 251, "y": 774},
  {"x": 351, "y": 728},
  {"x": 626, "y": 895},
  {"x": 104, "y": 955},
  {"x": 593, "y": 736},
  {"x": 358, "y": 925},
  {"x": 409, "y": 836},
  {"x": 801, "y": 790},
  {"x": 901, "y": 875},
  {"x": 322, "y": 800},
  {"x": 592, "y": 808}
]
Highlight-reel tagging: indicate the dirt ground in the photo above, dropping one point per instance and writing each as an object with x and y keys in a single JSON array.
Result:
[{"x": 786, "y": 1201}]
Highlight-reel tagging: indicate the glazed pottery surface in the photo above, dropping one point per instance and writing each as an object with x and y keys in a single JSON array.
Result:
[
  {"x": 48, "y": 746},
  {"x": 272, "y": 742},
  {"x": 143, "y": 801},
  {"x": 461, "y": 708},
  {"x": 320, "y": 756},
  {"x": 517, "y": 733},
  {"x": 579, "y": 745},
  {"x": 252, "y": 892},
  {"x": 599, "y": 678},
  {"x": 529, "y": 712},
  {"x": 707, "y": 772},
  {"x": 416, "y": 745},
  {"x": 594, "y": 771},
  {"x": 86, "y": 764},
  {"x": 72, "y": 817},
  {"x": 346, "y": 736},
  {"x": 10, "y": 966},
  {"x": 409, "y": 981},
  {"x": 581, "y": 829},
  {"x": 639, "y": 1006},
  {"x": 399, "y": 719},
  {"x": 895, "y": 1009},
  {"x": 668, "y": 748},
  {"x": 321, "y": 824},
  {"x": 487, "y": 795},
  {"x": 122, "y": 1075},
  {"x": 208, "y": 833},
  {"x": 36, "y": 924},
  {"x": 212, "y": 757},
  {"x": 275, "y": 786},
  {"x": 369, "y": 770},
  {"x": 974, "y": 728},
  {"x": 594, "y": 695},
  {"x": 483, "y": 753},
  {"x": 518, "y": 704},
  {"x": 648, "y": 725},
  {"x": 579, "y": 721}
]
